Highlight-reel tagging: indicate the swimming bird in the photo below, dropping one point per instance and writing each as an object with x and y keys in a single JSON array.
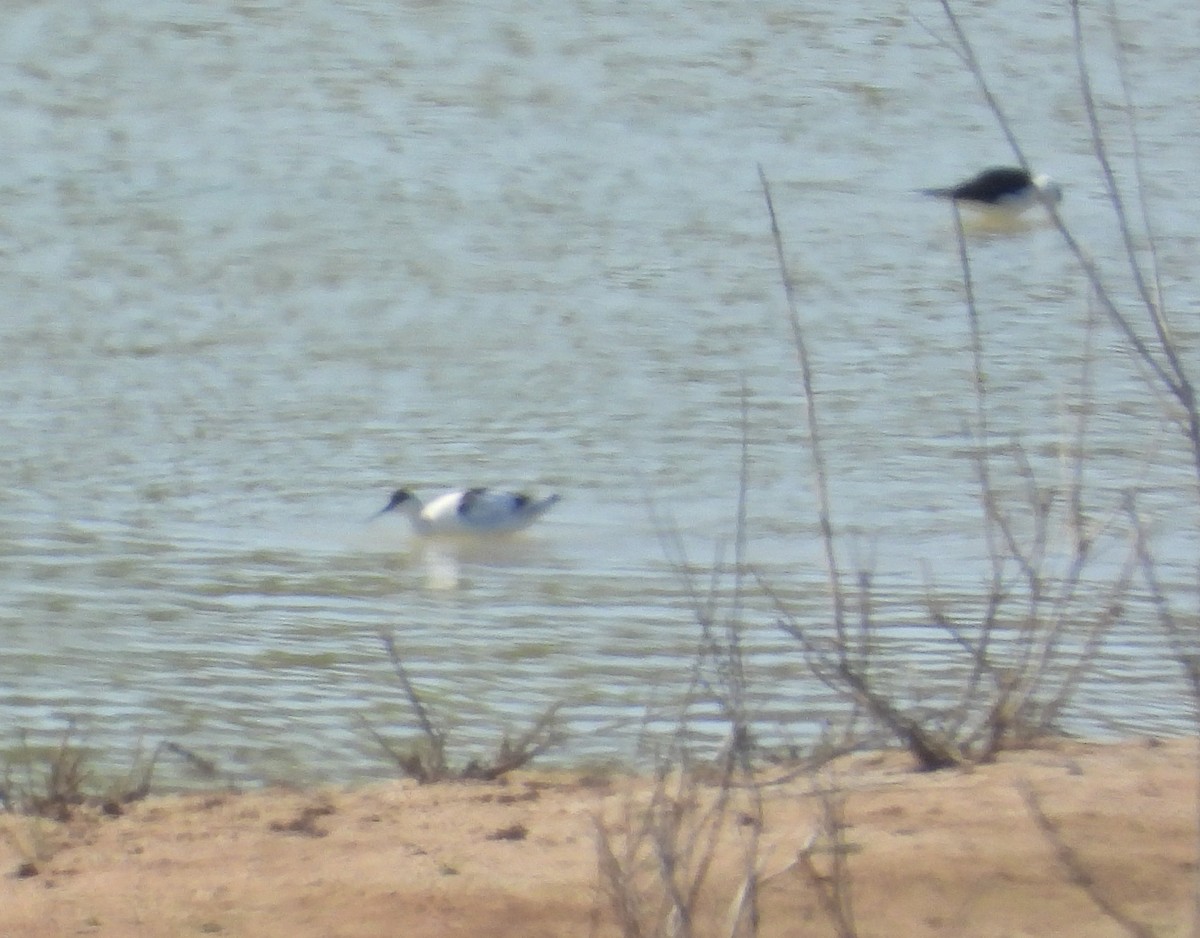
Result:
[
  {"x": 1007, "y": 188},
  {"x": 470, "y": 511}
]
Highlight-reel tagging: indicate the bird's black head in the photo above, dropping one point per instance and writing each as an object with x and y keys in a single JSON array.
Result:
[{"x": 399, "y": 497}]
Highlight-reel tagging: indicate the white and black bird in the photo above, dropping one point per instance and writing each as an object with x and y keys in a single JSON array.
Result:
[
  {"x": 470, "y": 511},
  {"x": 1007, "y": 189}
]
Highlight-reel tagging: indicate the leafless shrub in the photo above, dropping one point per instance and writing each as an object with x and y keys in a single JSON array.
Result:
[
  {"x": 1022, "y": 655},
  {"x": 656, "y": 859},
  {"x": 53, "y": 783},
  {"x": 426, "y": 759},
  {"x": 691, "y": 856},
  {"x": 687, "y": 858},
  {"x": 1145, "y": 328},
  {"x": 1029, "y": 668}
]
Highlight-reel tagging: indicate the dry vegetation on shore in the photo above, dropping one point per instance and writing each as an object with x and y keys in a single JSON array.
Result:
[{"x": 946, "y": 853}]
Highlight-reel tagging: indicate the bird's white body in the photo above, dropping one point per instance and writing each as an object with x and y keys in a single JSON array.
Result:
[{"x": 470, "y": 511}]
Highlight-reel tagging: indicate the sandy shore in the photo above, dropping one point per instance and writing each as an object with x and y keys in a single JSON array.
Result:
[{"x": 950, "y": 853}]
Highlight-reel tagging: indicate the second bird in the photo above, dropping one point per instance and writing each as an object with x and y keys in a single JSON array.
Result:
[{"x": 1006, "y": 188}]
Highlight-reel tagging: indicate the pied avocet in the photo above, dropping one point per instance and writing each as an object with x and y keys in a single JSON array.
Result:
[{"x": 470, "y": 511}]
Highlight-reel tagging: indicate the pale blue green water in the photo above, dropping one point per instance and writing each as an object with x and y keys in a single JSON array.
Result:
[{"x": 264, "y": 262}]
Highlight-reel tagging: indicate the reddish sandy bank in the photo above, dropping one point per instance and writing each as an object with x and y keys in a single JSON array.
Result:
[{"x": 959, "y": 852}]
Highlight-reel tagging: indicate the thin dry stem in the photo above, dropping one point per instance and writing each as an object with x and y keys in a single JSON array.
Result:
[
  {"x": 1076, "y": 869},
  {"x": 816, "y": 448}
]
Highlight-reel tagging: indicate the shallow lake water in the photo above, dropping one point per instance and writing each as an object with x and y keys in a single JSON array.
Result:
[{"x": 265, "y": 262}]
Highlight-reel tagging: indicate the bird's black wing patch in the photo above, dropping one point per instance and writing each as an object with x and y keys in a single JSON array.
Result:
[
  {"x": 993, "y": 184},
  {"x": 470, "y": 496}
]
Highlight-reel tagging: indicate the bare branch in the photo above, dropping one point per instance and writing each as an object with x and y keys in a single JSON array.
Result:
[{"x": 1076, "y": 869}]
